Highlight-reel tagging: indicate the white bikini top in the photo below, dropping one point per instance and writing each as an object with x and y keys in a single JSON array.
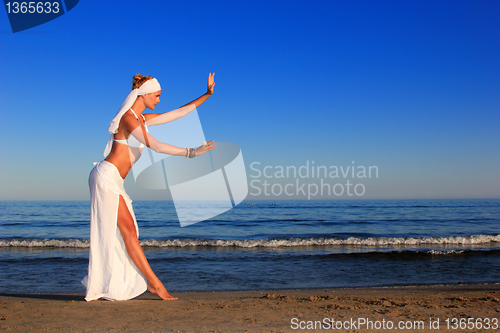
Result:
[{"x": 132, "y": 141}]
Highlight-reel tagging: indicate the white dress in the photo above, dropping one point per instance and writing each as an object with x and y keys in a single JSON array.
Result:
[{"x": 111, "y": 273}]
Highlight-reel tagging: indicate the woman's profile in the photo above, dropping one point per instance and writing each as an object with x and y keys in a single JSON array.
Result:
[{"x": 118, "y": 268}]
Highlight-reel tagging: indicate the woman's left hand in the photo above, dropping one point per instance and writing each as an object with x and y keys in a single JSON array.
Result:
[
  {"x": 211, "y": 84},
  {"x": 206, "y": 146}
]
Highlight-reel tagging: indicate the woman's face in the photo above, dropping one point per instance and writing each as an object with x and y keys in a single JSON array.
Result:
[{"x": 150, "y": 100}]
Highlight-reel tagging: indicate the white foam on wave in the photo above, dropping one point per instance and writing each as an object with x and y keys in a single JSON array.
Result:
[
  {"x": 444, "y": 253},
  {"x": 351, "y": 241},
  {"x": 71, "y": 243},
  {"x": 268, "y": 243}
]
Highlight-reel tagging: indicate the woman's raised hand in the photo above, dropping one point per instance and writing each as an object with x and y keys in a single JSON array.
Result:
[
  {"x": 211, "y": 83},
  {"x": 206, "y": 146}
]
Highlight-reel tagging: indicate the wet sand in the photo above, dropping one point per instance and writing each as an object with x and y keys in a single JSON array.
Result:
[{"x": 357, "y": 309}]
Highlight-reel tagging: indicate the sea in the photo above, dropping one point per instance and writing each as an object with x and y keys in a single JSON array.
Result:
[{"x": 265, "y": 245}]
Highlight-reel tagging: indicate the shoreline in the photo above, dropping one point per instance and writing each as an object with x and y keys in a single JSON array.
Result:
[{"x": 259, "y": 311}]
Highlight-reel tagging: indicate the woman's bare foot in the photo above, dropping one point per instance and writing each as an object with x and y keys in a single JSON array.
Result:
[{"x": 161, "y": 291}]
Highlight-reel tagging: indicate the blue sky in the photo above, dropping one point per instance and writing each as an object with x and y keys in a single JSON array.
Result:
[{"x": 411, "y": 87}]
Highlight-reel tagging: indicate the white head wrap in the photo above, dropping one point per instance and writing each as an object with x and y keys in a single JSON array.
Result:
[{"x": 150, "y": 86}]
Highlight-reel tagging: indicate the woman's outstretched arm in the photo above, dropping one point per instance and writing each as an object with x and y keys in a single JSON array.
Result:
[
  {"x": 163, "y": 118},
  {"x": 137, "y": 132}
]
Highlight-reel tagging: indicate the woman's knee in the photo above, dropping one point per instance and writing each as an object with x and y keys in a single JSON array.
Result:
[{"x": 125, "y": 221}]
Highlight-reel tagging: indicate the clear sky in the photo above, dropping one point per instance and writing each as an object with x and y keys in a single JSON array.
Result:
[{"x": 411, "y": 87}]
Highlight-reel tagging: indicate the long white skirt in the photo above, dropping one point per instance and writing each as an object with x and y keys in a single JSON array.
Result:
[{"x": 112, "y": 274}]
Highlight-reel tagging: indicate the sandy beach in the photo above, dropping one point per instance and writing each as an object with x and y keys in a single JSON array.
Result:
[{"x": 458, "y": 308}]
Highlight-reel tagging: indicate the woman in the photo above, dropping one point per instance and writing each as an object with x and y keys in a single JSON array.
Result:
[{"x": 118, "y": 268}]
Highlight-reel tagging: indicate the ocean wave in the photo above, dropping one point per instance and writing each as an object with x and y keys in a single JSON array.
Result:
[
  {"x": 266, "y": 243},
  {"x": 411, "y": 254},
  {"x": 444, "y": 253},
  {"x": 351, "y": 241},
  {"x": 39, "y": 242}
]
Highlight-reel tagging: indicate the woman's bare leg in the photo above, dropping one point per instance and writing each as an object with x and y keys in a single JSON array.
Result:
[{"x": 134, "y": 250}]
